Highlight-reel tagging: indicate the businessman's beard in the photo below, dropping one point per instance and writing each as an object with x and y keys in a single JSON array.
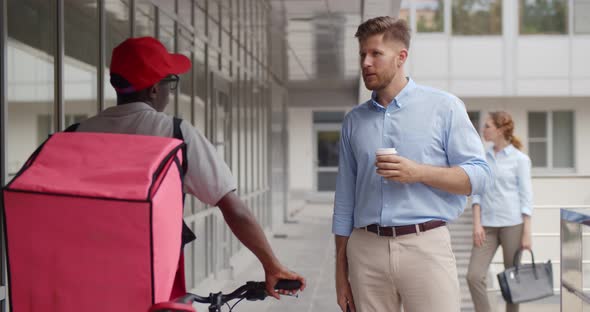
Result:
[{"x": 378, "y": 81}]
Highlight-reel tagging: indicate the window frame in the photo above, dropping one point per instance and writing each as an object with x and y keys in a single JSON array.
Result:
[{"x": 550, "y": 169}]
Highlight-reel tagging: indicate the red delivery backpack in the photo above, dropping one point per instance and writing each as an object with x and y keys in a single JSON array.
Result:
[{"x": 93, "y": 222}]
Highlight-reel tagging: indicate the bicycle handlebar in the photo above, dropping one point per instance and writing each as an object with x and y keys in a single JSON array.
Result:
[{"x": 250, "y": 291}]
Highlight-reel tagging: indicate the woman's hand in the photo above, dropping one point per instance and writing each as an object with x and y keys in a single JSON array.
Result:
[{"x": 479, "y": 235}]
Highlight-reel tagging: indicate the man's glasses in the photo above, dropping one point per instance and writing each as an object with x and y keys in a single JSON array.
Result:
[{"x": 172, "y": 81}]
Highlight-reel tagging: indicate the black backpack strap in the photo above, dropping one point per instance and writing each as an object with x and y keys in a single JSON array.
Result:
[
  {"x": 187, "y": 235},
  {"x": 177, "y": 134},
  {"x": 72, "y": 128}
]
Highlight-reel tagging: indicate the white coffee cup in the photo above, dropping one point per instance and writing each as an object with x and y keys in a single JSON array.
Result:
[{"x": 386, "y": 151}]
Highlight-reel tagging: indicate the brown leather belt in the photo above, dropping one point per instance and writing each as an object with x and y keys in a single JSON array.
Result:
[{"x": 404, "y": 229}]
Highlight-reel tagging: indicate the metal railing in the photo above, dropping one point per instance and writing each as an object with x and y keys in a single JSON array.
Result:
[
  {"x": 573, "y": 224},
  {"x": 554, "y": 259}
]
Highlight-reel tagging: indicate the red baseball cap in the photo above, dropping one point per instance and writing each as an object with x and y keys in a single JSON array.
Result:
[{"x": 143, "y": 62}]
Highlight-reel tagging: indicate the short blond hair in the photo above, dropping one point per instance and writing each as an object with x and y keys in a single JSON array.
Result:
[{"x": 392, "y": 28}]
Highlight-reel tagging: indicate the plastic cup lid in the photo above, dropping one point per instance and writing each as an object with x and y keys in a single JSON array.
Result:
[{"x": 386, "y": 151}]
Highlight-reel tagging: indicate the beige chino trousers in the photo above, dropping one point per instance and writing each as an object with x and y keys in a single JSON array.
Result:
[
  {"x": 509, "y": 237},
  {"x": 416, "y": 271}
]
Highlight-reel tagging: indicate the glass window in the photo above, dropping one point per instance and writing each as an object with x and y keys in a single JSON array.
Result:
[
  {"x": 226, "y": 13},
  {"x": 201, "y": 71},
  {"x": 477, "y": 17},
  {"x": 81, "y": 58},
  {"x": 551, "y": 139},
  {"x": 537, "y": 124},
  {"x": 226, "y": 50},
  {"x": 117, "y": 30},
  {"x": 582, "y": 16},
  {"x": 404, "y": 11},
  {"x": 543, "y": 17},
  {"x": 214, "y": 9},
  {"x": 200, "y": 21},
  {"x": 328, "y": 143},
  {"x": 243, "y": 134},
  {"x": 185, "y": 90},
  {"x": 145, "y": 20},
  {"x": 30, "y": 55},
  {"x": 430, "y": 16},
  {"x": 185, "y": 11},
  {"x": 166, "y": 28},
  {"x": 328, "y": 117},
  {"x": 563, "y": 139}
]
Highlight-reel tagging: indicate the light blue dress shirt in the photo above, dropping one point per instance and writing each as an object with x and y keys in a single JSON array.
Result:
[
  {"x": 510, "y": 194},
  {"x": 425, "y": 125}
]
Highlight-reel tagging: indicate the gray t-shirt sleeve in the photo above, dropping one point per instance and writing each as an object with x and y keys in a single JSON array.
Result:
[{"x": 208, "y": 176}]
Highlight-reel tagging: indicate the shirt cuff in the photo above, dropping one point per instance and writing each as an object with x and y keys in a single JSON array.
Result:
[
  {"x": 476, "y": 178},
  {"x": 475, "y": 199},
  {"x": 526, "y": 210},
  {"x": 342, "y": 226}
]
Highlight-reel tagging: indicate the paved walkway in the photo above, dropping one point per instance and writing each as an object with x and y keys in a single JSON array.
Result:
[{"x": 307, "y": 247}]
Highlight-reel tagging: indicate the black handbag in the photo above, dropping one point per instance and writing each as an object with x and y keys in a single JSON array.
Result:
[{"x": 527, "y": 282}]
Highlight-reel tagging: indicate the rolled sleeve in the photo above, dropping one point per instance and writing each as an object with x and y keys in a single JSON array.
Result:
[
  {"x": 525, "y": 189},
  {"x": 344, "y": 201},
  {"x": 465, "y": 150},
  {"x": 476, "y": 200},
  {"x": 479, "y": 175}
]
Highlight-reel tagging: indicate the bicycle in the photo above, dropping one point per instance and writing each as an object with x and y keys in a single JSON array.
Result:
[{"x": 250, "y": 291}]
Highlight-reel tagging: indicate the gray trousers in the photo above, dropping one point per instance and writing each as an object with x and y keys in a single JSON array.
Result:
[{"x": 509, "y": 237}]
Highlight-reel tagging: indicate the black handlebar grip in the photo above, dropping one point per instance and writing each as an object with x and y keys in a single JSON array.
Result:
[{"x": 288, "y": 284}]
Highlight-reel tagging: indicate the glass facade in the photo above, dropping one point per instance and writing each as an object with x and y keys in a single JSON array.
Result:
[
  {"x": 477, "y": 17},
  {"x": 226, "y": 94}
]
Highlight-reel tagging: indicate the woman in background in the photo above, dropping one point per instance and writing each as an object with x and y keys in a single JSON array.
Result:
[{"x": 502, "y": 215}]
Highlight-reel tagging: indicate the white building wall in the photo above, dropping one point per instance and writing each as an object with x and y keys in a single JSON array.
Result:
[{"x": 475, "y": 66}]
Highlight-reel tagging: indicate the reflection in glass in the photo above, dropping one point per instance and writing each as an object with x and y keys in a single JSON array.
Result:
[
  {"x": 543, "y": 17},
  {"x": 200, "y": 71},
  {"x": 327, "y": 181},
  {"x": 477, "y": 17},
  {"x": 186, "y": 88},
  {"x": 429, "y": 16},
  {"x": 328, "y": 151},
  {"x": 167, "y": 38},
  {"x": 404, "y": 11},
  {"x": 145, "y": 20},
  {"x": 117, "y": 30},
  {"x": 30, "y": 56},
  {"x": 200, "y": 20},
  {"x": 81, "y": 60}
]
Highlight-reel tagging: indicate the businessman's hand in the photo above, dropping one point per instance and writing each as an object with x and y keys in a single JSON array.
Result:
[{"x": 399, "y": 169}]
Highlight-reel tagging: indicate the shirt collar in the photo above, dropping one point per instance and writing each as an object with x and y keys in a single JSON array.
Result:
[
  {"x": 400, "y": 100},
  {"x": 506, "y": 151},
  {"x": 124, "y": 109}
]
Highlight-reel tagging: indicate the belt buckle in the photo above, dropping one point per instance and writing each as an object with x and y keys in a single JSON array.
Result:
[
  {"x": 393, "y": 232},
  {"x": 378, "y": 230}
]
